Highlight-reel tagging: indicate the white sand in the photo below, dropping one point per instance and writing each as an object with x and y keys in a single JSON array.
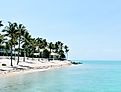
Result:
[{"x": 29, "y": 66}]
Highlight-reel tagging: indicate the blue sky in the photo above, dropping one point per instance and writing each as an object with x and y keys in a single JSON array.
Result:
[{"x": 91, "y": 28}]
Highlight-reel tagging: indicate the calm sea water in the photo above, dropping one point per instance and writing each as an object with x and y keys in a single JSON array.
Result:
[{"x": 91, "y": 76}]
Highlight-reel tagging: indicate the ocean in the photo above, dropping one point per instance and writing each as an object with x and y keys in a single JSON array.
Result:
[{"x": 91, "y": 76}]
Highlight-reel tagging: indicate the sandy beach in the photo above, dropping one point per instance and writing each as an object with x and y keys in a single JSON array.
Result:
[{"x": 29, "y": 66}]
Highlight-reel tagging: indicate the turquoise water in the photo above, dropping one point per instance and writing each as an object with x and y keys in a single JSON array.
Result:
[{"x": 91, "y": 76}]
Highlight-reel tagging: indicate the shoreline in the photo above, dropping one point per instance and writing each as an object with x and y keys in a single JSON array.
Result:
[{"x": 31, "y": 66}]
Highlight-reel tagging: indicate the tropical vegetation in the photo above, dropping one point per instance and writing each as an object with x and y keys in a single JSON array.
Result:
[{"x": 15, "y": 39}]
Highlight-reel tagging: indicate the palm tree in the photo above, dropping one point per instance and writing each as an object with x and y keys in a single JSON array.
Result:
[
  {"x": 1, "y": 23},
  {"x": 59, "y": 49},
  {"x": 44, "y": 42},
  {"x": 32, "y": 46},
  {"x": 7, "y": 48},
  {"x": 26, "y": 44},
  {"x": 61, "y": 46},
  {"x": 56, "y": 47},
  {"x": 1, "y": 38},
  {"x": 10, "y": 31},
  {"x": 21, "y": 31},
  {"x": 51, "y": 46},
  {"x": 1, "y": 42},
  {"x": 61, "y": 54},
  {"x": 40, "y": 46},
  {"x": 66, "y": 50},
  {"x": 44, "y": 45}
]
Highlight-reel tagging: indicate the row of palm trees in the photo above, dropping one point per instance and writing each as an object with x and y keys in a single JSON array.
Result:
[{"x": 16, "y": 35}]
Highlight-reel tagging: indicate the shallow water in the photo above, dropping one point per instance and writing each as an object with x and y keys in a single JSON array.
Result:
[{"x": 91, "y": 76}]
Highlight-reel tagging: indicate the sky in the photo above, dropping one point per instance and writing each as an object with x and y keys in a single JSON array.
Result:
[{"x": 91, "y": 28}]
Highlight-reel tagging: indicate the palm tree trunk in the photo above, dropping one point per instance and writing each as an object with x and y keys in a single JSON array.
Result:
[
  {"x": 24, "y": 55},
  {"x": 14, "y": 53},
  {"x": 18, "y": 50},
  {"x": 32, "y": 54},
  {"x": 11, "y": 55},
  {"x": 39, "y": 56},
  {"x": 27, "y": 54},
  {"x": 67, "y": 56}
]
